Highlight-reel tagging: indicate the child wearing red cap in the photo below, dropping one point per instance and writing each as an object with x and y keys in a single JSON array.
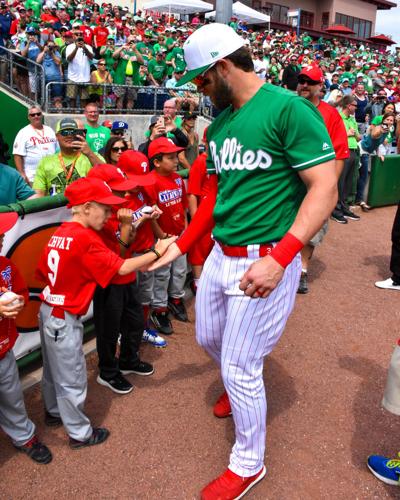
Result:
[
  {"x": 169, "y": 194},
  {"x": 13, "y": 418},
  {"x": 116, "y": 308},
  {"x": 73, "y": 263},
  {"x": 135, "y": 163}
]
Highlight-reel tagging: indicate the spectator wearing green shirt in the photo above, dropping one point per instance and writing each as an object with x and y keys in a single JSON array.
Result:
[
  {"x": 106, "y": 52},
  {"x": 157, "y": 69},
  {"x": 348, "y": 179},
  {"x": 146, "y": 46},
  {"x": 127, "y": 73},
  {"x": 96, "y": 135},
  {"x": 160, "y": 44},
  {"x": 178, "y": 61},
  {"x": 74, "y": 160}
]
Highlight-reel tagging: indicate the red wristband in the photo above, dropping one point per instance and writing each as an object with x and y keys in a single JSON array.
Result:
[{"x": 286, "y": 250}]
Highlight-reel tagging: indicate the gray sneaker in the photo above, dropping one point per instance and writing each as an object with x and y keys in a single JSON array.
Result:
[{"x": 303, "y": 288}]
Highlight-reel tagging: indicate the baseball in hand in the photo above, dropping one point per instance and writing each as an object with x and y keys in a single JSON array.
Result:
[
  {"x": 8, "y": 296},
  {"x": 147, "y": 210}
]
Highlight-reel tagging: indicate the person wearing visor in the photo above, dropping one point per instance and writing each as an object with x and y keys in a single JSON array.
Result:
[
  {"x": 276, "y": 185},
  {"x": 74, "y": 160}
]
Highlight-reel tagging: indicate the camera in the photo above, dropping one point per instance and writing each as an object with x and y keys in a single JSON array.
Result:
[{"x": 79, "y": 39}]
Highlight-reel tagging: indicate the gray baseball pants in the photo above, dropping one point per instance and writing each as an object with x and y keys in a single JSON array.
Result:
[
  {"x": 13, "y": 418},
  {"x": 169, "y": 281},
  {"x": 64, "y": 382}
]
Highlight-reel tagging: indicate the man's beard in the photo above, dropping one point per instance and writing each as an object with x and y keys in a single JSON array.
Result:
[{"x": 222, "y": 96}]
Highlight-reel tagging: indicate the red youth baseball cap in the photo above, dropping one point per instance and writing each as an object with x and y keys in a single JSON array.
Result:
[
  {"x": 85, "y": 189},
  {"x": 113, "y": 176},
  {"x": 313, "y": 72},
  {"x": 163, "y": 145},
  {"x": 133, "y": 163},
  {"x": 7, "y": 221}
]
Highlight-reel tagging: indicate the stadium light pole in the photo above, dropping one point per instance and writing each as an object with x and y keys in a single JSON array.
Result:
[{"x": 223, "y": 11}]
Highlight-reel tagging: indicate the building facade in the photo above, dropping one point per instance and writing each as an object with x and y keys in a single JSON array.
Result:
[{"x": 317, "y": 15}]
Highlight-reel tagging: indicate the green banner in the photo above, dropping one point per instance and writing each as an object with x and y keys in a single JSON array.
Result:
[{"x": 384, "y": 183}]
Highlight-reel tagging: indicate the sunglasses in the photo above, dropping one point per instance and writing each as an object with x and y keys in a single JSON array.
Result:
[
  {"x": 304, "y": 81},
  {"x": 35, "y": 114},
  {"x": 116, "y": 149},
  {"x": 68, "y": 132},
  {"x": 201, "y": 80}
]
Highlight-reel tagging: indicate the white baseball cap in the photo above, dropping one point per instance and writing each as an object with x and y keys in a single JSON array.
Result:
[{"x": 206, "y": 46}]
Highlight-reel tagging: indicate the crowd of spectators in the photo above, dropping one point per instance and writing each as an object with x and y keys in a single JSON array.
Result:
[{"x": 104, "y": 54}]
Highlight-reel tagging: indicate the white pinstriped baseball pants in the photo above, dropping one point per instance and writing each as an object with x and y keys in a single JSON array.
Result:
[{"x": 238, "y": 331}]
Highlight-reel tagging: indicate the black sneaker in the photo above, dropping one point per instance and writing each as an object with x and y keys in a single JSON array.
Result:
[
  {"x": 161, "y": 322},
  {"x": 37, "y": 451},
  {"x": 348, "y": 214},
  {"x": 117, "y": 384},
  {"x": 339, "y": 218},
  {"x": 99, "y": 435},
  {"x": 178, "y": 309},
  {"x": 139, "y": 368},
  {"x": 303, "y": 288},
  {"x": 52, "y": 420}
]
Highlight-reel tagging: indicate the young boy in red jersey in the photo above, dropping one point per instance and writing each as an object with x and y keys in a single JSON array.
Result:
[
  {"x": 196, "y": 191},
  {"x": 73, "y": 263},
  {"x": 13, "y": 418},
  {"x": 169, "y": 194},
  {"x": 136, "y": 164},
  {"x": 116, "y": 308}
]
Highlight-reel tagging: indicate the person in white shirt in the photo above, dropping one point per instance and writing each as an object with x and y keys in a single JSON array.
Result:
[
  {"x": 78, "y": 56},
  {"x": 260, "y": 64},
  {"x": 32, "y": 143}
]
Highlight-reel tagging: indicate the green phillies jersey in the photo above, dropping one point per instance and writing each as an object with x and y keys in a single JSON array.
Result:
[
  {"x": 177, "y": 55},
  {"x": 257, "y": 152}
]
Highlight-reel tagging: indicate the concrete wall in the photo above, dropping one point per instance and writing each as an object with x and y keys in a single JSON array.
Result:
[{"x": 138, "y": 124}]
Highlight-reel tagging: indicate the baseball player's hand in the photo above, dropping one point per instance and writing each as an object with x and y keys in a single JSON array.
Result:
[
  {"x": 170, "y": 255},
  {"x": 8, "y": 311},
  {"x": 261, "y": 278}
]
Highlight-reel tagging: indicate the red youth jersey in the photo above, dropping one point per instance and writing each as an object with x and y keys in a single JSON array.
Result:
[
  {"x": 110, "y": 234},
  {"x": 72, "y": 264},
  {"x": 11, "y": 279},
  {"x": 144, "y": 238},
  {"x": 197, "y": 176},
  {"x": 336, "y": 129},
  {"x": 169, "y": 194},
  {"x": 101, "y": 34}
]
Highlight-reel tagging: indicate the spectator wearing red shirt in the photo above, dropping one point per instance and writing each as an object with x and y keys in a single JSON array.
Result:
[
  {"x": 87, "y": 31},
  {"x": 100, "y": 35},
  {"x": 310, "y": 83}
]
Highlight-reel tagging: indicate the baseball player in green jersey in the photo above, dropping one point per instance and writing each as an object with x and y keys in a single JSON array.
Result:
[{"x": 272, "y": 184}]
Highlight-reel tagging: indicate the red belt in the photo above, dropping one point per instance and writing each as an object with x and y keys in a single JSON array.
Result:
[{"x": 236, "y": 251}]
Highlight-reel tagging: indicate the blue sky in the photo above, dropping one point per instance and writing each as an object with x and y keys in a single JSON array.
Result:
[{"x": 388, "y": 22}]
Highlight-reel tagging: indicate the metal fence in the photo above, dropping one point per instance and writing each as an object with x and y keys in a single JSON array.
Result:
[
  {"x": 121, "y": 99},
  {"x": 26, "y": 79},
  {"x": 22, "y": 77}
]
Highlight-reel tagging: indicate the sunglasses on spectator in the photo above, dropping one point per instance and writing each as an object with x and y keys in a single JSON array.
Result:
[
  {"x": 117, "y": 149},
  {"x": 35, "y": 114},
  {"x": 68, "y": 132},
  {"x": 307, "y": 81},
  {"x": 118, "y": 131}
]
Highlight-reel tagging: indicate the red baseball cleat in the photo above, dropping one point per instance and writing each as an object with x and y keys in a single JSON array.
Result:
[
  {"x": 222, "y": 407},
  {"x": 230, "y": 486}
]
